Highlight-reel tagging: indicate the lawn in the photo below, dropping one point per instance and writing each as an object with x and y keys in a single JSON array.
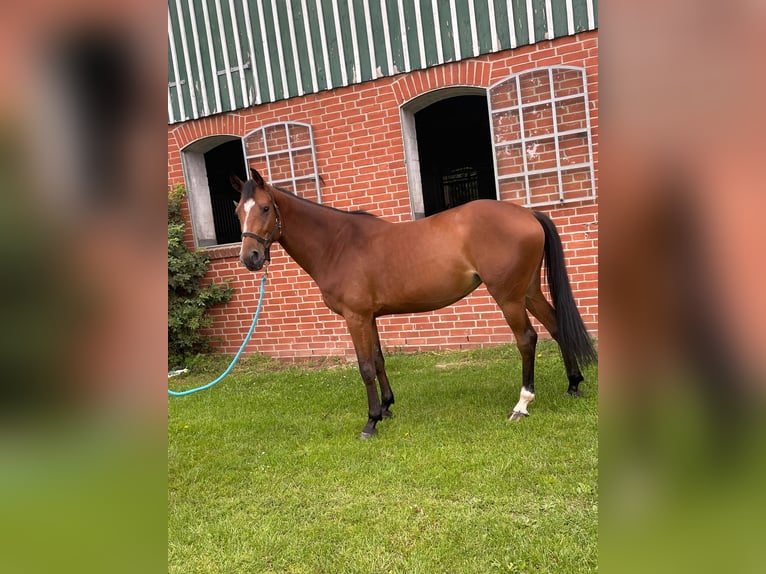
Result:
[{"x": 266, "y": 473}]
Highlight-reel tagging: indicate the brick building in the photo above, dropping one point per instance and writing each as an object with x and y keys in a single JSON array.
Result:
[{"x": 400, "y": 108}]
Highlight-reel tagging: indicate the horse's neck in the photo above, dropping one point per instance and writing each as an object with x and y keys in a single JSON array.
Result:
[{"x": 307, "y": 231}]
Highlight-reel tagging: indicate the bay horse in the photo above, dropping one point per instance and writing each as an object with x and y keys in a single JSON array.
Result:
[{"x": 366, "y": 267}]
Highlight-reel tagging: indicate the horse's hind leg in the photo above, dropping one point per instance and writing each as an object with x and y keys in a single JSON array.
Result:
[
  {"x": 544, "y": 312},
  {"x": 526, "y": 341},
  {"x": 386, "y": 394}
]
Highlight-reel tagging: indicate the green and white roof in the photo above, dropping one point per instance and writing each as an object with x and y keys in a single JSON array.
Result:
[{"x": 225, "y": 55}]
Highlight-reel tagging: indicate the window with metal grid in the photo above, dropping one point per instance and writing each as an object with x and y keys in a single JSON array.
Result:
[
  {"x": 284, "y": 154},
  {"x": 541, "y": 133}
]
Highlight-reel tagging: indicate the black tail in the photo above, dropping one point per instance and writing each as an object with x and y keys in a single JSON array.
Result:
[{"x": 573, "y": 338}]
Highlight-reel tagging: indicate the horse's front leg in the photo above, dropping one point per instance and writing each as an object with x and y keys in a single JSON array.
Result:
[
  {"x": 362, "y": 334},
  {"x": 386, "y": 394}
]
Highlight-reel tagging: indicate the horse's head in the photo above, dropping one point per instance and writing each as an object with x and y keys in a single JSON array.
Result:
[{"x": 259, "y": 218}]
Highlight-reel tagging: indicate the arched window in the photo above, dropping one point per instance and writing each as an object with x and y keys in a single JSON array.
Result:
[
  {"x": 448, "y": 149},
  {"x": 284, "y": 154},
  {"x": 541, "y": 134}
]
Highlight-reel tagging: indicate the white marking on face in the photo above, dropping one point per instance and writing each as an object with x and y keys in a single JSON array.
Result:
[
  {"x": 247, "y": 207},
  {"x": 525, "y": 397}
]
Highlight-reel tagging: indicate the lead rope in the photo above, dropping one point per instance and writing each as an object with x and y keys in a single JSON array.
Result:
[{"x": 236, "y": 357}]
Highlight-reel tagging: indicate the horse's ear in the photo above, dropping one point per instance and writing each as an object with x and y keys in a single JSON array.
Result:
[
  {"x": 236, "y": 183},
  {"x": 256, "y": 177}
]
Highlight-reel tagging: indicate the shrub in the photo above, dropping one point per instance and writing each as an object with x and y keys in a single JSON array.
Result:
[{"x": 189, "y": 297}]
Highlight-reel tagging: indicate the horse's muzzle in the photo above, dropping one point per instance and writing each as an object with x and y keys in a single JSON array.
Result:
[{"x": 253, "y": 261}]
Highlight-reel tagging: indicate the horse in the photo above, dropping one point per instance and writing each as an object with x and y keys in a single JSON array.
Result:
[{"x": 366, "y": 267}]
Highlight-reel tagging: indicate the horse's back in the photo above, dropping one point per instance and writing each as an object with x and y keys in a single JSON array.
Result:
[
  {"x": 487, "y": 217},
  {"x": 482, "y": 223},
  {"x": 503, "y": 209}
]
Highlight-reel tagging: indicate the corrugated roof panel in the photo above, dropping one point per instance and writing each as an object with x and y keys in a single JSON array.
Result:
[{"x": 225, "y": 55}]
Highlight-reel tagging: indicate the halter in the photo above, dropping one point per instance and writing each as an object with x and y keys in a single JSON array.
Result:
[{"x": 266, "y": 242}]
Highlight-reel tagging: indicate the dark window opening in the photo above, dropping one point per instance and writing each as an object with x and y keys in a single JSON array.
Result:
[
  {"x": 455, "y": 151},
  {"x": 220, "y": 163}
]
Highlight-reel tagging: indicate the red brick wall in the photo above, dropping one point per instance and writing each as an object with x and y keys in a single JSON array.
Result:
[{"x": 360, "y": 157}]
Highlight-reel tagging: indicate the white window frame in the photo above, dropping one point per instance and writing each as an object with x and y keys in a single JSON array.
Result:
[
  {"x": 407, "y": 113},
  {"x": 263, "y": 160},
  {"x": 197, "y": 189},
  {"x": 524, "y": 141}
]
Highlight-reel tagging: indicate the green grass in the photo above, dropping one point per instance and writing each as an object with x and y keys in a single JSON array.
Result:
[{"x": 266, "y": 473}]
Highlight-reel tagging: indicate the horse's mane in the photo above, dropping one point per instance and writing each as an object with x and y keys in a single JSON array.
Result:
[{"x": 356, "y": 212}]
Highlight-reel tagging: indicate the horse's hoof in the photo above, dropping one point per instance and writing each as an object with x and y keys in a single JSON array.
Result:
[
  {"x": 367, "y": 435},
  {"x": 517, "y": 415},
  {"x": 387, "y": 414},
  {"x": 574, "y": 392}
]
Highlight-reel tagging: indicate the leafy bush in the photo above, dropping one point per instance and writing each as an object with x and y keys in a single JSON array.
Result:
[{"x": 189, "y": 297}]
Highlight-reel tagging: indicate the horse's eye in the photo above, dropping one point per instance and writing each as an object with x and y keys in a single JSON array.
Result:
[{"x": 265, "y": 208}]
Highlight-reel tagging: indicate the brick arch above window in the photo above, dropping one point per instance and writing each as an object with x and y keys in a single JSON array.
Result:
[
  {"x": 541, "y": 133},
  {"x": 284, "y": 154},
  {"x": 188, "y": 133},
  {"x": 467, "y": 73}
]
